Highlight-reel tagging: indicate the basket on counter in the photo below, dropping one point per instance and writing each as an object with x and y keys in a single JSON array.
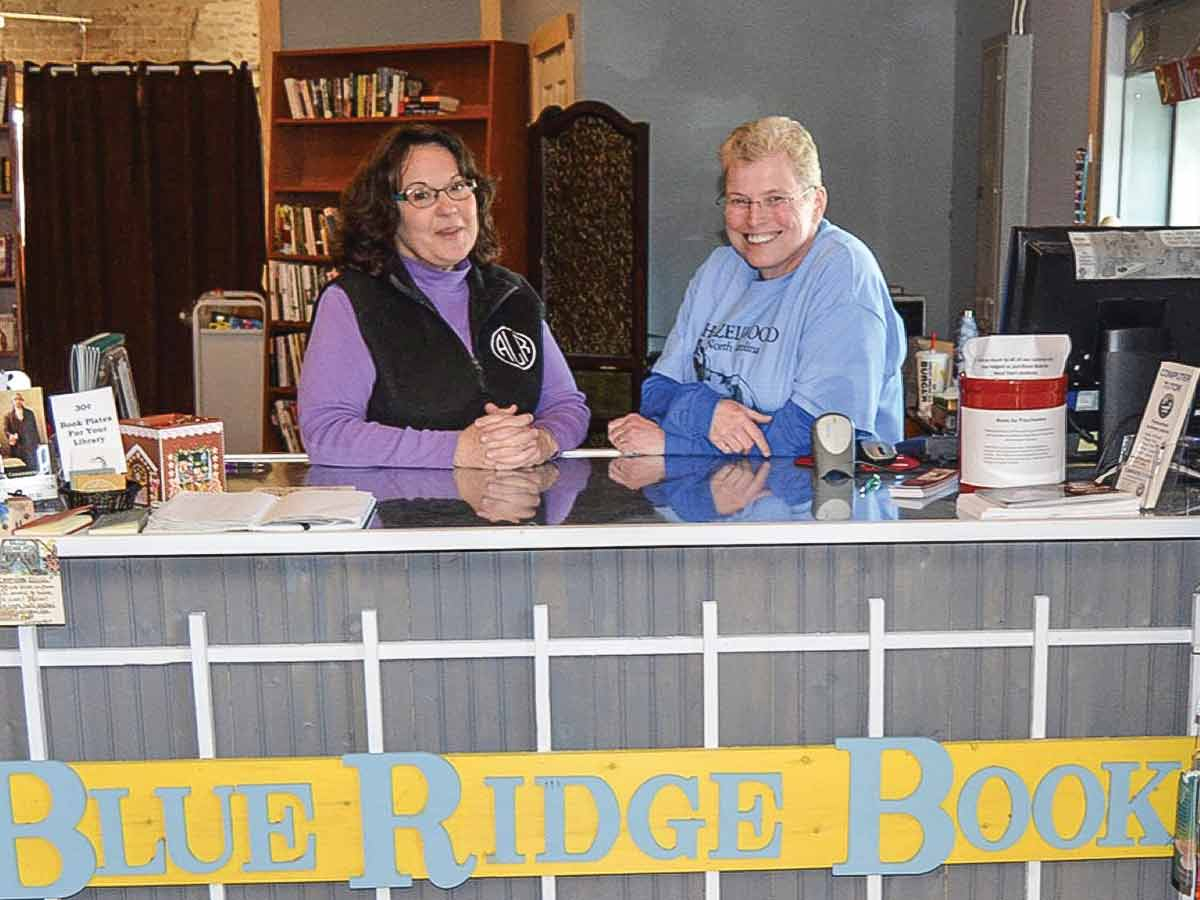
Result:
[{"x": 103, "y": 501}]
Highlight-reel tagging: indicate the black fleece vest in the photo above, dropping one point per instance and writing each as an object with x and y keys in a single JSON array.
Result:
[{"x": 424, "y": 376}]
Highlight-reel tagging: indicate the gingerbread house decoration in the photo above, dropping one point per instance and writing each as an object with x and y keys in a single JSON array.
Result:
[{"x": 175, "y": 452}]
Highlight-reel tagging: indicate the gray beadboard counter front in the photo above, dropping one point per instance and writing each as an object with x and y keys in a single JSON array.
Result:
[{"x": 989, "y": 630}]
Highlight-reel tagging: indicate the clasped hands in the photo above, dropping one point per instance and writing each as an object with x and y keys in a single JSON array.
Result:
[
  {"x": 734, "y": 430},
  {"x": 505, "y": 496},
  {"x": 502, "y": 438}
]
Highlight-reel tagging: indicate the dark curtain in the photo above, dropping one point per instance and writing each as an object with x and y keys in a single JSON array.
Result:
[{"x": 142, "y": 191}]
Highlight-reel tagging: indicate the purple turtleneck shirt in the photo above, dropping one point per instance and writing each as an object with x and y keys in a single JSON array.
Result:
[{"x": 338, "y": 377}]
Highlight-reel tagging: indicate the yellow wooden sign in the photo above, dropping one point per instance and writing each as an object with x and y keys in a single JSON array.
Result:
[{"x": 863, "y": 806}]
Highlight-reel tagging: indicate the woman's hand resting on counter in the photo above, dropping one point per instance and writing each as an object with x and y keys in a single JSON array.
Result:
[
  {"x": 503, "y": 439},
  {"x": 734, "y": 428},
  {"x": 635, "y": 434}
]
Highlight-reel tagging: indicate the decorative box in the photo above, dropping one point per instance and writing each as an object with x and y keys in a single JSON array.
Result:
[{"x": 174, "y": 452}]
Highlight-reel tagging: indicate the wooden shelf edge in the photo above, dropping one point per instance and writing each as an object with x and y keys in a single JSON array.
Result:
[
  {"x": 313, "y": 187},
  {"x": 282, "y": 392},
  {"x": 288, "y": 325},
  {"x": 300, "y": 258}
]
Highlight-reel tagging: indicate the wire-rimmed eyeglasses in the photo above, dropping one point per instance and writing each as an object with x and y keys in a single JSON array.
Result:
[
  {"x": 422, "y": 196},
  {"x": 737, "y": 203}
]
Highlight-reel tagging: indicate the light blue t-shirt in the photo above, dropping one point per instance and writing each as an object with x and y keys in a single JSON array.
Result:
[{"x": 825, "y": 337}]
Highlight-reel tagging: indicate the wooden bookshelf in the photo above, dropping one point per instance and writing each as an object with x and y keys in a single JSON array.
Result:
[
  {"x": 11, "y": 341},
  {"x": 312, "y": 159}
]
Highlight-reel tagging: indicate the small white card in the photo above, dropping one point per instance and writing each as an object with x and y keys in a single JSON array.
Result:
[
  {"x": 1167, "y": 413},
  {"x": 85, "y": 426}
]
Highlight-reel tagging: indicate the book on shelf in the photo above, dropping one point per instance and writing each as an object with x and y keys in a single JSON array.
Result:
[
  {"x": 304, "y": 230},
  {"x": 8, "y": 333},
  {"x": 102, "y": 360},
  {"x": 8, "y": 256},
  {"x": 6, "y": 178},
  {"x": 287, "y": 424},
  {"x": 1074, "y": 500},
  {"x": 377, "y": 94},
  {"x": 68, "y": 521},
  {"x": 4, "y": 97},
  {"x": 292, "y": 289},
  {"x": 303, "y": 510},
  {"x": 287, "y": 355},
  {"x": 125, "y": 521},
  {"x": 924, "y": 483}
]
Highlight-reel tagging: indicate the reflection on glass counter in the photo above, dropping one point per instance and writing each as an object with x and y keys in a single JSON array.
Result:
[
  {"x": 708, "y": 489},
  {"x": 626, "y": 490}
]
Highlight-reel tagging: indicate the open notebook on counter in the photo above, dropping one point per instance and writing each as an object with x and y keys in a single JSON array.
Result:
[{"x": 318, "y": 510}]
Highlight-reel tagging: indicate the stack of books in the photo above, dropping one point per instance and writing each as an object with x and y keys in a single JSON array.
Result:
[
  {"x": 921, "y": 486},
  {"x": 1083, "y": 500}
]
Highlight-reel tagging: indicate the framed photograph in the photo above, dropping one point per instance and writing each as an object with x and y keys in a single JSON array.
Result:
[
  {"x": 8, "y": 333},
  {"x": 22, "y": 428}
]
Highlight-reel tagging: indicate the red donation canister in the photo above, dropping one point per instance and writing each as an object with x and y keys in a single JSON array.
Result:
[{"x": 1012, "y": 432}]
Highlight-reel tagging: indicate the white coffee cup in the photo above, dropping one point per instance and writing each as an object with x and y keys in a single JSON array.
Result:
[{"x": 933, "y": 377}]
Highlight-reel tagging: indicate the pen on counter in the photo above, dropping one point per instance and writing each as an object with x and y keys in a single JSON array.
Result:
[{"x": 239, "y": 467}]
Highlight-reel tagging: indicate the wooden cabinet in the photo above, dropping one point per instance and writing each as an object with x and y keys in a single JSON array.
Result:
[
  {"x": 312, "y": 159},
  {"x": 11, "y": 331}
]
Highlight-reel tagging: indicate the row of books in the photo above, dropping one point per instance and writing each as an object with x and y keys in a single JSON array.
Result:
[
  {"x": 6, "y": 178},
  {"x": 381, "y": 93},
  {"x": 287, "y": 354},
  {"x": 287, "y": 425},
  {"x": 304, "y": 230},
  {"x": 292, "y": 289},
  {"x": 8, "y": 256}
]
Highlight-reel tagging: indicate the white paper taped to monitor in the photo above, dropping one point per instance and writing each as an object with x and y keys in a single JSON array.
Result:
[{"x": 1016, "y": 357}]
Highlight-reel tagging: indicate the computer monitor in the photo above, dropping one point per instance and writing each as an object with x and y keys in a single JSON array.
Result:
[{"x": 1120, "y": 331}]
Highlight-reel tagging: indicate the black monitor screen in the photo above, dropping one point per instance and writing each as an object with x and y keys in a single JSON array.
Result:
[{"x": 1042, "y": 296}]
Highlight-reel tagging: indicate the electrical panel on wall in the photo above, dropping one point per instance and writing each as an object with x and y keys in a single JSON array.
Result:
[{"x": 1005, "y": 106}]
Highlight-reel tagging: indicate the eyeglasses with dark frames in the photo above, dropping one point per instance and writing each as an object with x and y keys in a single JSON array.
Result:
[{"x": 422, "y": 196}]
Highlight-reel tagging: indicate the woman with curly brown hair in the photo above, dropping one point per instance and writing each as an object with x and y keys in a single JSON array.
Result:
[{"x": 425, "y": 352}]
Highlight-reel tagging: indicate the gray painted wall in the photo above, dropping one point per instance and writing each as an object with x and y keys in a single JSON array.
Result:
[
  {"x": 304, "y": 23},
  {"x": 1061, "y": 44},
  {"x": 870, "y": 80}
]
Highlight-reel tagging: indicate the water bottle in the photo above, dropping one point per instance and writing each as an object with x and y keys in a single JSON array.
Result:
[{"x": 967, "y": 329}]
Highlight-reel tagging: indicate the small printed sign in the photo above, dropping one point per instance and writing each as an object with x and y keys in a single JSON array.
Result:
[
  {"x": 1167, "y": 413},
  {"x": 86, "y": 430},
  {"x": 30, "y": 583}
]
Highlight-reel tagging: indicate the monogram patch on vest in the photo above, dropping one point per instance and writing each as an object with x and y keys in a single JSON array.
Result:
[{"x": 514, "y": 348}]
